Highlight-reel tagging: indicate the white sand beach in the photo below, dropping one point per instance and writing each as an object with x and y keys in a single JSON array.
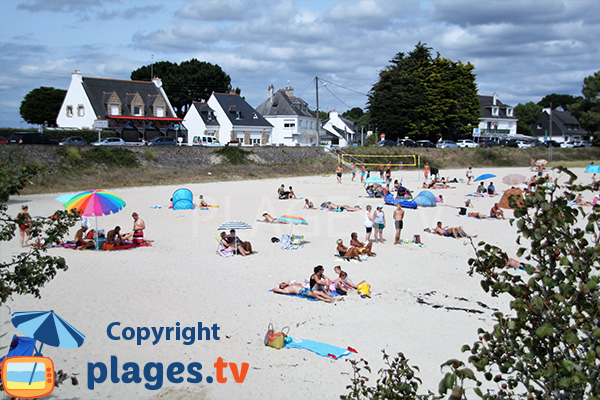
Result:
[{"x": 423, "y": 302}]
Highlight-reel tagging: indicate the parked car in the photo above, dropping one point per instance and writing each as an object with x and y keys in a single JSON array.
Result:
[
  {"x": 523, "y": 144},
  {"x": 3, "y": 140},
  {"x": 488, "y": 144},
  {"x": 162, "y": 141},
  {"x": 509, "y": 143},
  {"x": 567, "y": 145},
  {"x": 110, "y": 141},
  {"x": 406, "y": 142},
  {"x": 425, "y": 143},
  {"x": 30, "y": 138},
  {"x": 446, "y": 144},
  {"x": 551, "y": 143},
  {"x": 73, "y": 141},
  {"x": 208, "y": 141},
  {"x": 385, "y": 143},
  {"x": 466, "y": 143},
  {"x": 581, "y": 143}
]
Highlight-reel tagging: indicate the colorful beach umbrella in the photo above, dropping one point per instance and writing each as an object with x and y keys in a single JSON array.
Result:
[
  {"x": 95, "y": 203},
  {"x": 484, "y": 177},
  {"x": 514, "y": 179},
  {"x": 593, "y": 169},
  {"x": 374, "y": 179},
  {"x": 541, "y": 161},
  {"x": 227, "y": 226},
  {"x": 293, "y": 220}
]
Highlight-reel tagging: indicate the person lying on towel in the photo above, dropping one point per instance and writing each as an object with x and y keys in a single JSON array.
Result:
[{"x": 297, "y": 288}]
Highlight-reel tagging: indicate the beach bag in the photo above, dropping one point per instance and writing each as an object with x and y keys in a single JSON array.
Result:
[
  {"x": 276, "y": 339},
  {"x": 90, "y": 234},
  {"x": 364, "y": 289},
  {"x": 417, "y": 239},
  {"x": 108, "y": 246},
  {"x": 462, "y": 211}
]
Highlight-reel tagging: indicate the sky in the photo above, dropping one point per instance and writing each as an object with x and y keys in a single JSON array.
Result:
[{"x": 522, "y": 50}]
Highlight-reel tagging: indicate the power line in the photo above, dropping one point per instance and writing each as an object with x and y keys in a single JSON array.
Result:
[
  {"x": 335, "y": 84},
  {"x": 325, "y": 86}
]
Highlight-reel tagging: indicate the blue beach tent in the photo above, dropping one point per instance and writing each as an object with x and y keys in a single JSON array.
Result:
[
  {"x": 183, "y": 199},
  {"x": 426, "y": 199}
]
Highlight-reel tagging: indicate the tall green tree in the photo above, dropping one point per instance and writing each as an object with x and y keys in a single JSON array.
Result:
[
  {"x": 186, "y": 82},
  {"x": 420, "y": 96},
  {"x": 527, "y": 114},
  {"x": 587, "y": 109},
  {"x": 42, "y": 105},
  {"x": 557, "y": 100}
]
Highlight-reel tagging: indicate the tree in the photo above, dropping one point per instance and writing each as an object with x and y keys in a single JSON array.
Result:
[
  {"x": 424, "y": 97},
  {"x": 354, "y": 114},
  {"x": 31, "y": 269},
  {"x": 587, "y": 109},
  {"x": 42, "y": 105},
  {"x": 557, "y": 100},
  {"x": 548, "y": 347},
  {"x": 527, "y": 114},
  {"x": 187, "y": 82}
]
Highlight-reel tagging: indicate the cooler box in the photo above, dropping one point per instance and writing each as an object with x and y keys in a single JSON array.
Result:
[{"x": 98, "y": 242}]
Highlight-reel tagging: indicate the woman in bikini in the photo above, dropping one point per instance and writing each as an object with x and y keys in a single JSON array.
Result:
[
  {"x": 350, "y": 253},
  {"x": 319, "y": 282},
  {"x": 24, "y": 221}
]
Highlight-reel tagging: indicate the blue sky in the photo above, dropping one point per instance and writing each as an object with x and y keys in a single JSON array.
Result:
[{"x": 521, "y": 49}]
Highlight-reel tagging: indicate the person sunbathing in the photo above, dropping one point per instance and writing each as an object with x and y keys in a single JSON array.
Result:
[
  {"x": 309, "y": 204},
  {"x": 346, "y": 252},
  {"x": 319, "y": 282},
  {"x": 496, "y": 212},
  {"x": 447, "y": 231},
  {"x": 580, "y": 202},
  {"x": 271, "y": 220},
  {"x": 477, "y": 215},
  {"x": 362, "y": 248},
  {"x": 297, "y": 288},
  {"x": 341, "y": 207},
  {"x": 230, "y": 245}
]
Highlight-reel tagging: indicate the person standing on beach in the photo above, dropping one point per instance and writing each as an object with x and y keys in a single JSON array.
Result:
[
  {"x": 398, "y": 222},
  {"x": 379, "y": 223},
  {"x": 363, "y": 172},
  {"x": 469, "y": 175},
  {"x": 380, "y": 169},
  {"x": 368, "y": 223},
  {"x": 353, "y": 171},
  {"x": 339, "y": 170},
  {"x": 24, "y": 221},
  {"x": 137, "y": 236},
  {"x": 426, "y": 170}
]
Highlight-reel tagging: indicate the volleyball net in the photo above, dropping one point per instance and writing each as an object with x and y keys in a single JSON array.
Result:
[{"x": 403, "y": 160}]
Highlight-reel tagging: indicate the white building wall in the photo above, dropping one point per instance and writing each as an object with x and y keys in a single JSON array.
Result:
[
  {"x": 75, "y": 97},
  {"x": 224, "y": 122},
  {"x": 194, "y": 124}
]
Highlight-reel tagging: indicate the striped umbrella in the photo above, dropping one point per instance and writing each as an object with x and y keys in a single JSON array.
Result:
[
  {"x": 541, "y": 161},
  {"x": 237, "y": 225},
  {"x": 293, "y": 220},
  {"x": 47, "y": 328},
  {"x": 95, "y": 203}
]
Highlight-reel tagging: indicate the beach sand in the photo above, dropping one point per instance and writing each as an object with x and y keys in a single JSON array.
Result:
[{"x": 423, "y": 302}]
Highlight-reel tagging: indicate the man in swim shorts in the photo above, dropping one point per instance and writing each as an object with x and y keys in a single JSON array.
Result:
[
  {"x": 297, "y": 288},
  {"x": 362, "y": 248},
  {"x": 398, "y": 222}
]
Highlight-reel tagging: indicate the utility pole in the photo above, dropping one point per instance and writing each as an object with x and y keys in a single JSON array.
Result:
[
  {"x": 550, "y": 147},
  {"x": 152, "y": 68},
  {"x": 317, "y": 90}
]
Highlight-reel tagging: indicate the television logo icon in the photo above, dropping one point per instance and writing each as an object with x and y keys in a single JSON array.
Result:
[{"x": 28, "y": 377}]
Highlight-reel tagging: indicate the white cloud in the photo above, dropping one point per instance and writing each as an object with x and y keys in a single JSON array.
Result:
[{"x": 213, "y": 10}]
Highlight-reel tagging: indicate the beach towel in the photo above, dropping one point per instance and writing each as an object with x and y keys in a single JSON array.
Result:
[
  {"x": 333, "y": 294},
  {"x": 322, "y": 349}
]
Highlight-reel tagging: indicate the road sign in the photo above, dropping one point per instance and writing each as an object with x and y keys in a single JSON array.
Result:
[
  {"x": 100, "y": 123},
  {"x": 476, "y": 132},
  {"x": 176, "y": 127}
]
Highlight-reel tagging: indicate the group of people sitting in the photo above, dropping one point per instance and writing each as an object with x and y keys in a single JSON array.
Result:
[
  {"x": 320, "y": 287},
  {"x": 357, "y": 249},
  {"x": 490, "y": 190},
  {"x": 113, "y": 237},
  {"x": 286, "y": 194},
  {"x": 233, "y": 244}
]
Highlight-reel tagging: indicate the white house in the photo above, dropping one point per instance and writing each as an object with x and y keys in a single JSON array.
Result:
[
  {"x": 239, "y": 121},
  {"x": 337, "y": 130},
  {"x": 497, "y": 119},
  {"x": 200, "y": 120},
  {"x": 293, "y": 123},
  {"x": 134, "y": 109}
]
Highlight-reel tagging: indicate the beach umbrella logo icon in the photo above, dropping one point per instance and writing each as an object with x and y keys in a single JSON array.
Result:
[{"x": 30, "y": 377}]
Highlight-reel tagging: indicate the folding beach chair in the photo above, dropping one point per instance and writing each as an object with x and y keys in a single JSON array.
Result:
[
  {"x": 20, "y": 346},
  {"x": 297, "y": 240}
]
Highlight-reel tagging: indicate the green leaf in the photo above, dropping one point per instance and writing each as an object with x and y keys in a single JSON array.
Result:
[{"x": 544, "y": 330}]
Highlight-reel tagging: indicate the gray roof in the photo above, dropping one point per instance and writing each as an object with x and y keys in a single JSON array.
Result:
[
  {"x": 563, "y": 123},
  {"x": 204, "y": 110},
  {"x": 349, "y": 123},
  {"x": 233, "y": 103},
  {"x": 99, "y": 91},
  {"x": 282, "y": 104},
  {"x": 486, "y": 104}
]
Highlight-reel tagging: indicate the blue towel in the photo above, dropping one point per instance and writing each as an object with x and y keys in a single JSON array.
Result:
[
  {"x": 333, "y": 294},
  {"x": 322, "y": 349}
]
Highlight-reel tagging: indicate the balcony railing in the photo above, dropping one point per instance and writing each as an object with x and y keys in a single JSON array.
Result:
[{"x": 500, "y": 131}]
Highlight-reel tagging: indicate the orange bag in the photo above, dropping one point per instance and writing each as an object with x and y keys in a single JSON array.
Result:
[{"x": 276, "y": 339}]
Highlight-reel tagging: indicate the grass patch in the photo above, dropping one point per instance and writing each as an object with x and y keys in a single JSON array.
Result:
[
  {"x": 70, "y": 155},
  {"x": 150, "y": 154},
  {"x": 111, "y": 157},
  {"x": 235, "y": 155}
]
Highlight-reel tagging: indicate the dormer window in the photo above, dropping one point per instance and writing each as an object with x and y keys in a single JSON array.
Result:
[
  {"x": 509, "y": 112},
  {"x": 114, "y": 109},
  {"x": 137, "y": 111},
  {"x": 238, "y": 115},
  {"x": 210, "y": 116},
  {"x": 160, "y": 112},
  {"x": 495, "y": 111},
  {"x": 255, "y": 116}
]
